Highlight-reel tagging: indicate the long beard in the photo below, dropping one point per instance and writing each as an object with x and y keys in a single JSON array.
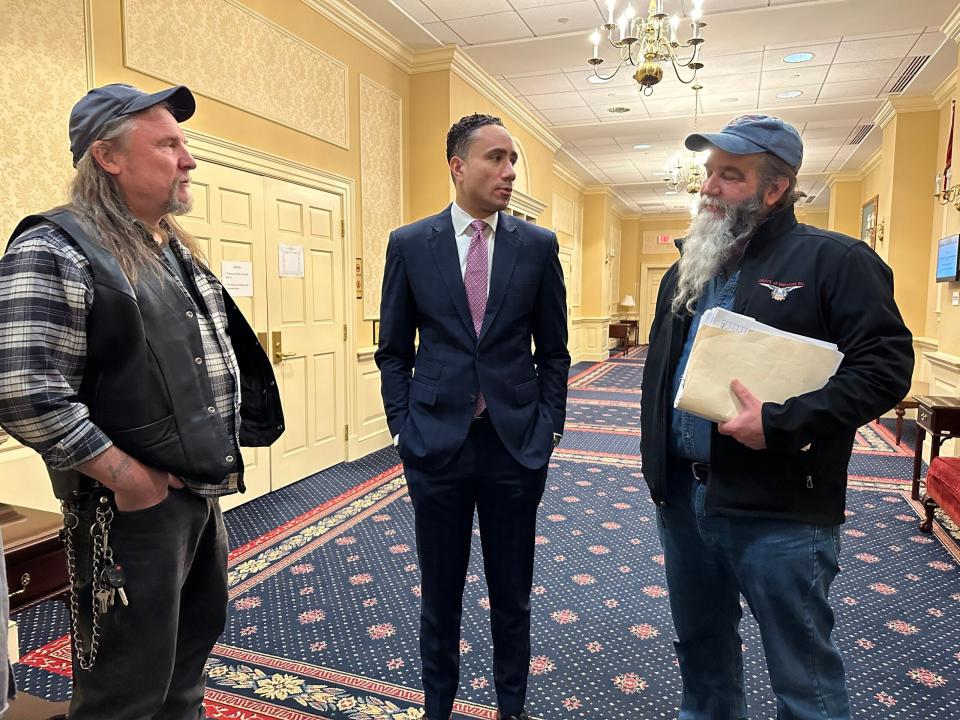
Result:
[{"x": 711, "y": 241}]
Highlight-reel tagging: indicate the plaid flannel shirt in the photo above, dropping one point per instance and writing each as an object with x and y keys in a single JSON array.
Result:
[{"x": 46, "y": 293}]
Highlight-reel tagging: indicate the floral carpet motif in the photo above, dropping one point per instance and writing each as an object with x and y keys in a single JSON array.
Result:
[{"x": 324, "y": 606}]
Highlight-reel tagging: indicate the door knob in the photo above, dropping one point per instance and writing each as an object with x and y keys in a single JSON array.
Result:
[{"x": 277, "y": 342}]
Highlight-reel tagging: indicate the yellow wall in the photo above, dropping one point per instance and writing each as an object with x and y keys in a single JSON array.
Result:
[
  {"x": 428, "y": 176},
  {"x": 466, "y": 100}
]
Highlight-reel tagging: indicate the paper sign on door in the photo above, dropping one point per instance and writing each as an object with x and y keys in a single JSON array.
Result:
[
  {"x": 237, "y": 278},
  {"x": 291, "y": 261}
]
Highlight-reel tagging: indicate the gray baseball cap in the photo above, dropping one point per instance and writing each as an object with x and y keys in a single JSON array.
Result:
[
  {"x": 750, "y": 134},
  {"x": 103, "y": 104}
]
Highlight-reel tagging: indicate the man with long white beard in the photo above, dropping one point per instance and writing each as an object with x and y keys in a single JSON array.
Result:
[{"x": 753, "y": 506}]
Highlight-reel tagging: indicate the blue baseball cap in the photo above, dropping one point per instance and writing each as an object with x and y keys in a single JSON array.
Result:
[
  {"x": 103, "y": 104},
  {"x": 750, "y": 134}
]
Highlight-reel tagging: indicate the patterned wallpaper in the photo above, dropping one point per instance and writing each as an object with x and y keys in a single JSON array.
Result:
[
  {"x": 43, "y": 56},
  {"x": 228, "y": 53},
  {"x": 381, "y": 183}
]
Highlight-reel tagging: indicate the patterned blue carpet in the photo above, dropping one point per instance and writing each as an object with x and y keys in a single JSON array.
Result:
[{"x": 324, "y": 592}]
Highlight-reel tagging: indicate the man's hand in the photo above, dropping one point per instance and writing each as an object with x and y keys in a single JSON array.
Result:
[
  {"x": 135, "y": 486},
  {"x": 747, "y": 427}
]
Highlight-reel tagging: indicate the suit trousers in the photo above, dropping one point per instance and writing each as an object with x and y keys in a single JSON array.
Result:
[
  {"x": 506, "y": 495},
  {"x": 152, "y": 653}
]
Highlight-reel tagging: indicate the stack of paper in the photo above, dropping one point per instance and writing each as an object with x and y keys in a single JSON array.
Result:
[{"x": 774, "y": 365}]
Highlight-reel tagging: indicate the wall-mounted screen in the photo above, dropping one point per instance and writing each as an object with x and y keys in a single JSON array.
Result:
[{"x": 947, "y": 251}]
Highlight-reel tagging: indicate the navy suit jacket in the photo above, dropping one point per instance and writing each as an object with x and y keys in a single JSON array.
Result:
[{"x": 429, "y": 392}]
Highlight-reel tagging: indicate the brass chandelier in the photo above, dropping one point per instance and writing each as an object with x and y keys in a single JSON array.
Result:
[
  {"x": 649, "y": 43},
  {"x": 688, "y": 173}
]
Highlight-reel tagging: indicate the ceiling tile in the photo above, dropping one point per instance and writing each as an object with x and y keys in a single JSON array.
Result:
[
  {"x": 842, "y": 72},
  {"x": 452, "y": 9},
  {"x": 734, "y": 64},
  {"x": 605, "y": 96},
  {"x": 928, "y": 43},
  {"x": 568, "y": 115},
  {"x": 877, "y": 49},
  {"x": 794, "y": 76},
  {"x": 582, "y": 15},
  {"x": 768, "y": 97},
  {"x": 731, "y": 84},
  {"x": 551, "y": 101},
  {"x": 417, "y": 10},
  {"x": 539, "y": 84},
  {"x": 604, "y": 140},
  {"x": 491, "y": 28},
  {"x": 579, "y": 79},
  {"x": 443, "y": 33},
  {"x": 853, "y": 89},
  {"x": 823, "y": 54}
]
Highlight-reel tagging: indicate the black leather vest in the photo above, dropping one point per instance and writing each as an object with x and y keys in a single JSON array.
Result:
[{"x": 144, "y": 381}]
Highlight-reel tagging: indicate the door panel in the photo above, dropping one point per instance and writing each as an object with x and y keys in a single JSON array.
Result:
[
  {"x": 227, "y": 218},
  {"x": 309, "y": 314}
]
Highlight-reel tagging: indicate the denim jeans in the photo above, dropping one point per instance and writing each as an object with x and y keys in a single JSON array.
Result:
[{"x": 784, "y": 570}]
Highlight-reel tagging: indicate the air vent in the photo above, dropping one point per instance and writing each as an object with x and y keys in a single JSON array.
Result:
[
  {"x": 915, "y": 65},
  {"x": 809, "y": 199},
  {"x": 860, "y": 134},
  {"x": 618, "y": 109}
]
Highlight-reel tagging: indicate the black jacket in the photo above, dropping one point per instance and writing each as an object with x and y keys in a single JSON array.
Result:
[
  {"x": 842, "y": 292},
  {"x": 144, "y": 382}
]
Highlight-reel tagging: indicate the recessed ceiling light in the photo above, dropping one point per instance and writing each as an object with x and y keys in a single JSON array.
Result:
[
  {"x": 618, "y": 109},
  {"x": 787, "y": 94},
  {"x": 595, "y": 80},
  {"x": 727, "y": 101},
  {"x": 798, "y": 57},
  {"x": 658, "y": 174},
  {"x": 670, "y": 192},
  {"x": 641, "y": 146}
]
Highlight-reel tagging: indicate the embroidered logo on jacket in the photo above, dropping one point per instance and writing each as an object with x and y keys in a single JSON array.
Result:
[{"x": 780, "y": 290}]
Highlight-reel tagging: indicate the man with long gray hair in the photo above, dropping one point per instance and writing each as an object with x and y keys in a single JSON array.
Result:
[
  {"x": 753, "y": 506},
  {"x": 122, "y": 363}
]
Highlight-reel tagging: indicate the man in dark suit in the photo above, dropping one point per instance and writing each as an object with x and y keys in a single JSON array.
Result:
[{"x": 475, "y": 413}]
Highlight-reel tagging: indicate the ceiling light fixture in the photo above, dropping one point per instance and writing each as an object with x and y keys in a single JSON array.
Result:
[
  {"x": 798, "y": 57},
  {"x": 787, "y": 94},
  {"x": 641, "y": 146},
  {"x": 688, "y": 172},
  {"x": 647, "y": 44}
]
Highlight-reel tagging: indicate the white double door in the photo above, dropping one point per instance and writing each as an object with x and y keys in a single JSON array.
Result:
[{"x": 243, "y": 217}]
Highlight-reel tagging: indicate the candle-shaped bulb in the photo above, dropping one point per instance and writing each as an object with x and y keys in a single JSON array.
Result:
[
  {"x": 696, "y": 14},
  {"x": 595, "y": 39},
  {"x": 610, "y": 6}
]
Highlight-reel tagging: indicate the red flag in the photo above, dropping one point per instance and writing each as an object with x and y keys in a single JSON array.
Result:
[{"x": 946, "y": 168}]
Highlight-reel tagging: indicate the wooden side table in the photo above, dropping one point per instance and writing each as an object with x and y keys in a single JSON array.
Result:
[
  {"x": 939, "y": 416},
  {"x": 34, "y": 554},
  {"x": 909, "y": 403}
]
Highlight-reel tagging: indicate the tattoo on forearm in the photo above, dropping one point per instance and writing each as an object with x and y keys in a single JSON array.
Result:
[{"x": 119, "y": 470}]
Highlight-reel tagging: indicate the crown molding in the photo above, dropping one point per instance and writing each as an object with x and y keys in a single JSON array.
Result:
[
  {"x": 845, "y": 176},
  {"x": 946, "y": 89},
  {"x": 568, "y": 177},
  {"x": 894, "y": 106},
  {"x": 951, "y": 26},
  {"x": 347, "y": 17},
  {"x": 598, "y": 190}
]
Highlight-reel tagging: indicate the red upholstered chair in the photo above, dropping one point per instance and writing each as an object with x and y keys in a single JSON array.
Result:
[{"x": 943, "y": 490}]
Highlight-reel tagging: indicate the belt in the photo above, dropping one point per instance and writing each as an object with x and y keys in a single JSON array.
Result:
[{"x": 701, "y": 472}]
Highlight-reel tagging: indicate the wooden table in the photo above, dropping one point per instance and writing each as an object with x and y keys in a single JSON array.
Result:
[
  {"x": 939, "y": 416},
  {"x": 909, "y": 403},
  {"x": 34, "y": 555},
  {"x": 621, "y": 331}
]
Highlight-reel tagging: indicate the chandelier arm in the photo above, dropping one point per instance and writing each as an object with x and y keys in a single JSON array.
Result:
[{"x": 606, "y": 78}]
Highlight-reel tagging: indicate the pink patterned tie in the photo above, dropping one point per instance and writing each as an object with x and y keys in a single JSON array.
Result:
[{"x": 475, "y": 281}]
